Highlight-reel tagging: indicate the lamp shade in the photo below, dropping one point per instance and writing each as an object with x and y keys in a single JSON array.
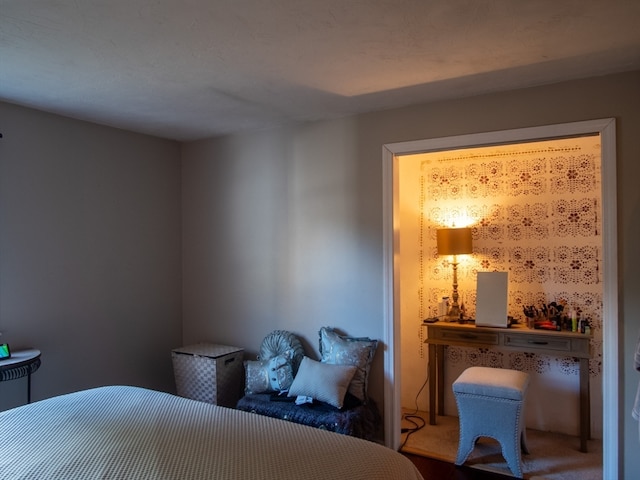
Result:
[{"x": 454, "y": 241}]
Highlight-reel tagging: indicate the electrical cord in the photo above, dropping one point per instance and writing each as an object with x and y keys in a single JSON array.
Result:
[{"x": 417, "y": 421}]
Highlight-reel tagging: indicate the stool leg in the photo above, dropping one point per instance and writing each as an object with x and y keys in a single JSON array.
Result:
[
  {"x": 523, "y": 441},
  {"x": 466, "y": 443},
  {"x": 512, "y": 452},
  {"x": 465, "y": 447}
]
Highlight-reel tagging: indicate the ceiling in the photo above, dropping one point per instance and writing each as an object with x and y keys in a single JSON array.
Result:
[{"x": 191, "y": 69}]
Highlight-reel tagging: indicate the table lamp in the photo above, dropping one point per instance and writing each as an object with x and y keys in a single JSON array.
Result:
[{"x": 454, "y": 241}]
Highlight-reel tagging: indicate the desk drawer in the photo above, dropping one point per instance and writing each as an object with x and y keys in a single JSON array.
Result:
[
  {"x": 468, "y": 337},
  {"x": 538, "y": 342}
]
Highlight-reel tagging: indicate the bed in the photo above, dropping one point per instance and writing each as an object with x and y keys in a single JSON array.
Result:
[{"x": 121, "y": 432}]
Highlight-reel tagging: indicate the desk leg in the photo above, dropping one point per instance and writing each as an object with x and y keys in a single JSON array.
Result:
[
  {"x": 585, "y": 405},
  {"x": 440, "y": 365},
  {"x": 432, "y": 384}
]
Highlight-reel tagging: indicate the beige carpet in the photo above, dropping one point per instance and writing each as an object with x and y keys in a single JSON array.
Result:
[{"x": 552, "y": 456}]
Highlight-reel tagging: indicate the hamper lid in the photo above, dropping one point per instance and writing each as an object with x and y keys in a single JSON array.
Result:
[{"x": 208, "y": 350}]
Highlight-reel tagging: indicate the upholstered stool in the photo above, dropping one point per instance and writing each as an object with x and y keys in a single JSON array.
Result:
[{"x": 490, "y": 404}]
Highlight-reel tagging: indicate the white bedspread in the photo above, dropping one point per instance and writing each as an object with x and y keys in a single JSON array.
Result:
[{"x": 132, "y": 433}]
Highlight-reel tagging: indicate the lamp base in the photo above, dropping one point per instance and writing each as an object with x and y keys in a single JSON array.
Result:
[{"x": 455, "y": 314}]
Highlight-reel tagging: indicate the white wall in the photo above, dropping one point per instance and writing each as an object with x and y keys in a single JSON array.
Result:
[
  {"x": 283, "y": 229},
  {"x": 272, "y": 239},
  {"x": 90, "y": 268}
]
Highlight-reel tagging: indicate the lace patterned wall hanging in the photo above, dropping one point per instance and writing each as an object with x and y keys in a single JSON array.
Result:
[{"x": 535, "y": 211}]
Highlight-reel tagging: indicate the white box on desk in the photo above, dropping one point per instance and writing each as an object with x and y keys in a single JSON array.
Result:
[{"x": 492, "y": 299}]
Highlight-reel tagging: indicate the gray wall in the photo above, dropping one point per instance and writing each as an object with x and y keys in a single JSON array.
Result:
[
  {"x": 90, "y": 268},
  {"x": 283, "y": 229}
]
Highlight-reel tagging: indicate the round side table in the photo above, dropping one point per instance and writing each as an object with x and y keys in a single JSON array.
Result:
[{"x": 21, "y": 364}]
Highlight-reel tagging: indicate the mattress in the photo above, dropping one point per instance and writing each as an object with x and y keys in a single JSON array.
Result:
[{"x": 120, "y": 432}]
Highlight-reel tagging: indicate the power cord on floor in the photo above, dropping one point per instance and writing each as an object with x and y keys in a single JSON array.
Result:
[{"x": 412, "y": 417}]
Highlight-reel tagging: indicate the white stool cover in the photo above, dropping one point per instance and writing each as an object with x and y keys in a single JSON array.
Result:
[{"x": 490, "y": 404}]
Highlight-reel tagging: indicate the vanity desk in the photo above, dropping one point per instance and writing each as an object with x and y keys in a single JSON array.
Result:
[{"x": 515, "y": 338}]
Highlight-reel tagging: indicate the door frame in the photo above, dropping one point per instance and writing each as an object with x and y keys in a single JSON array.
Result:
[{"x": 391, "y": 157}]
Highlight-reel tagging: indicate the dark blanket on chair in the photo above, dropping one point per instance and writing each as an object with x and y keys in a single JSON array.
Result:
[{"x": 353, "y": 419}]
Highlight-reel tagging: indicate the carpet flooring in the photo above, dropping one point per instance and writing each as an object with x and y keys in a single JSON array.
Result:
[{"x": 552, "y": 456}]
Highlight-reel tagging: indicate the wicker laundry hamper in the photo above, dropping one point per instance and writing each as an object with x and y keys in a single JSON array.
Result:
[{"x": 209, "y": 373}]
